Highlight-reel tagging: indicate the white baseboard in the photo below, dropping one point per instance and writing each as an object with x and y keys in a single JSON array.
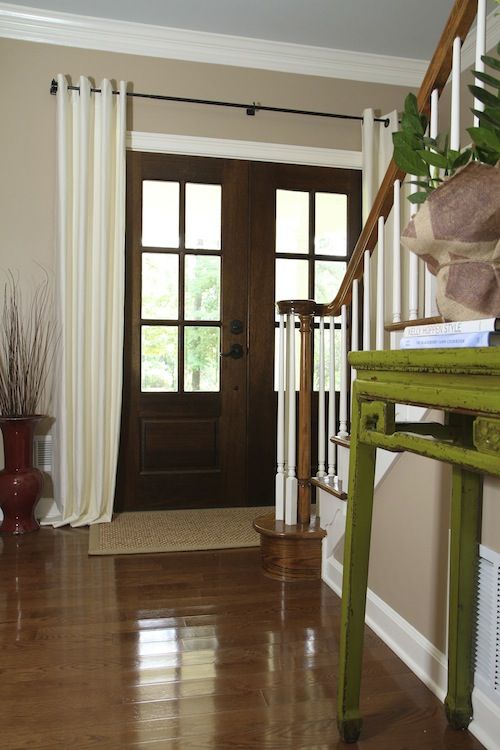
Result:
[{"x": 420, "y": 655}]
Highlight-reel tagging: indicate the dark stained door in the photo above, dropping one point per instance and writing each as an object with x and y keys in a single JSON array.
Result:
[
  {"x": 211, "y": 244},
  {"x": 184, "y": 412}
]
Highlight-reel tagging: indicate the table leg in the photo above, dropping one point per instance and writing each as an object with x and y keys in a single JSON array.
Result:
[
  {"x": 355, "y": 578},
  {"x": 466, "y": 506}
]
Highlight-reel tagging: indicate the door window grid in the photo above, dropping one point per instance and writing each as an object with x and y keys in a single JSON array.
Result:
[
  {"x": 181, "y": 320},
  {"x": 316, "y": 272}
]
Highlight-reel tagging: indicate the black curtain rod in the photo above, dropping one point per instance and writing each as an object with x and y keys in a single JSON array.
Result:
[{"x": 251, "y": 109}]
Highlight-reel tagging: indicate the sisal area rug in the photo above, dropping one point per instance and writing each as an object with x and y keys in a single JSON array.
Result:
[{"x": 176, "y": 531}]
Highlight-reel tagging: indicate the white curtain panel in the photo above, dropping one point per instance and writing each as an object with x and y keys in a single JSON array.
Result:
[
  {"x": 377, "y": 153},
  {"x": 91, "y": 130}
]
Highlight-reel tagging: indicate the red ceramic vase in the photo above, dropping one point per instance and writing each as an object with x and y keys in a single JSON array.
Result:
[{"x": 20, "y": 483}]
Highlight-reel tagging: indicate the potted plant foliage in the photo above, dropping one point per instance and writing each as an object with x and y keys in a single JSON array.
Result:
[
  {"x": 27, "y": 342},
  {"x": 457, "y": 229}
]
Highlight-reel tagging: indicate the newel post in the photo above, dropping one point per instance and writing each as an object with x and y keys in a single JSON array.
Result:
[{"x": 304, "y": 432}]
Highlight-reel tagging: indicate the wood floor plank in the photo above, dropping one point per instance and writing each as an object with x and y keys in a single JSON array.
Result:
[{"x": 191, "y": 651}]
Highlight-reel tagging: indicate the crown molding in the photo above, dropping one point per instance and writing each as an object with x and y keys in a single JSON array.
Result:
[
  {"x": 71, "y": 30},
  {"x": 188, "y": 145}
]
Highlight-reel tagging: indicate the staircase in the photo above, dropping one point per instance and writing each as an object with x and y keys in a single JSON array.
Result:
[{"x": 292, "y": 537}]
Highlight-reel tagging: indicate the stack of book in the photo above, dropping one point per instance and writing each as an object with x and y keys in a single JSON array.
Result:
[{"x": 464, "y": 333}]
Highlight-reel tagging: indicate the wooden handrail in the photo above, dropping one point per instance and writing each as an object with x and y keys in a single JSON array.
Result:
[{"x": 459, "y": 22}]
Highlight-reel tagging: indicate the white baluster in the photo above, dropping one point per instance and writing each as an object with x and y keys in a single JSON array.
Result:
[
  {"x": 379, "y": 323},
  {"x": 332, "y": 421},
  {"x": 321, "y": 400},
  {"x": 343, "y": 433},
  {"x": 413, "y": 268},
  {"x": 366, "y": 302},
  {"x": 480, "y": 51},
  {"x": 429, "y": 278},
  {"x": 396, "y": 254},
  {"x": 355, "y": 316},
  {"x": 280, "y": 431},
  {"x": 291, "y": 480},
  {"x": 455, "y": 96}
]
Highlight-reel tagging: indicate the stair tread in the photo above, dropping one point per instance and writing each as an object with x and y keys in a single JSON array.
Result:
[
  {"x": 419, "y": 322},
  {"x": 323, "y": 484},
  {"x": 344, "y": 442}
]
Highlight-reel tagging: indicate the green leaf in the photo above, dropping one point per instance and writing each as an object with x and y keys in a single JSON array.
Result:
[
  {"x": 462, "y": 159},
  {"x": 418, "y": 197},
  {"x": 409, "y": 161},
  {"x": 411, "y": 106},
  {"x": 412, "y": 124},
  {"x": 485, "y": 78},
  {"x": 485, "y": 96},
  {"x": 435, "y": 160},
  {"x": 491, "y": 116},
  {"x": 493, "y": 62},
  {"x": 403, "y": 137},
  {"x": 485, "y": 138},
  {"x": 424, "y": 183},
  {"x": 430, "y": 143},
  {"x": 487, "y": 157}
]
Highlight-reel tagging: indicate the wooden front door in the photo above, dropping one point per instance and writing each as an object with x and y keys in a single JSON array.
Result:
[
  {"x": 211, "y": 244},
  {"x": 184, "y": 410}
]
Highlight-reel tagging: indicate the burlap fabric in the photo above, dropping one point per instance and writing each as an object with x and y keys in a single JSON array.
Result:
[{"x": 457, "y": 233}]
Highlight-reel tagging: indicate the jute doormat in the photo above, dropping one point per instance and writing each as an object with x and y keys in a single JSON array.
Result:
[{"x": 175, "y": 531}]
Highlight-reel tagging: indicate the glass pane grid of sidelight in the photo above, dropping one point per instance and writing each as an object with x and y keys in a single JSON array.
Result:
[
  {"x": 330, "y": 235},
  {"x": 292, "y": 221},
  {"x": 201, "y": 358},
  {"x": 160, "y": 213},
  {"x": 159, "y": 358},
  {"x": 202, "y": 287},
  {"x": 160, "y": 286},
  {"x": 203, "y": 216}
]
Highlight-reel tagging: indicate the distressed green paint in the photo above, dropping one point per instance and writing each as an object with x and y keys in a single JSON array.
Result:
[
  {"x": 466, "y": 385},
  {"x": 464, "y": 546},
  {"x": 487, "y": 435},
  {"x": 378, "y": 416},
  {"x": 355, "y": 577}
]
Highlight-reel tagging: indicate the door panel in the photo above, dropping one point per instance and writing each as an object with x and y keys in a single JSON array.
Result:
[{"x": 184, "y": 415}]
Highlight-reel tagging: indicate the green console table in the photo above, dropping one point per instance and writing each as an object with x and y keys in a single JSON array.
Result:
[{"x": 465, "y": 385}]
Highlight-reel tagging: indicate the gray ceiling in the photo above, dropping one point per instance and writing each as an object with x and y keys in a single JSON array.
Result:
[{"x": 404, "y": 28}]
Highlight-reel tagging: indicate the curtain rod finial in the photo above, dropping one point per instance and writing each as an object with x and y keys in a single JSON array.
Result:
[{"x": 53, "y": 87}]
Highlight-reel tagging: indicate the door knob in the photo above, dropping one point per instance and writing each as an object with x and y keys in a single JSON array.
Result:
[{"x": 235, "y": 352}]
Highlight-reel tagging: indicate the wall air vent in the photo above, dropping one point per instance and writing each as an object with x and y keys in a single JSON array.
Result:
[
  {"x": 487, "y": 651},
  {"x": 42, "y": 452}
]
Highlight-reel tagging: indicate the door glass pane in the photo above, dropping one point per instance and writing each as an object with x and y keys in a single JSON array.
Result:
[
  {"x": 201, "y": 358},
  {"x": 292, "y": 279},
  {"x": 327, "y": 359},
  {"x": 328, "y": 276},
  {"x": 160, "y": 286},
  {"x": 203, "y": 216},
  {"x": 292, "y": 221},
  {"x": 331, "y": 224},
  {"x": 160, "y": 214},
  {"x": 159, "y": 348},
  {"x": 202, "y": 287}
]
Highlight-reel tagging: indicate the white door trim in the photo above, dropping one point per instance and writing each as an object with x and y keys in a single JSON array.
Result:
[{"x": 188, "y": 145}]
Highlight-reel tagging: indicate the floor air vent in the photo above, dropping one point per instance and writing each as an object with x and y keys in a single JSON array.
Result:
[
  {"x": 42, "y": 452},
  {"x": 487, "y": 653}
]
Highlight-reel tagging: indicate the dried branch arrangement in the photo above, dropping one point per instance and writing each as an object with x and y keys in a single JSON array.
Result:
[{"x": 27, "y": 346}]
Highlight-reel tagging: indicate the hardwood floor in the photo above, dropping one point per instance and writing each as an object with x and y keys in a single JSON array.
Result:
[{"x": 186, "y": 651}]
